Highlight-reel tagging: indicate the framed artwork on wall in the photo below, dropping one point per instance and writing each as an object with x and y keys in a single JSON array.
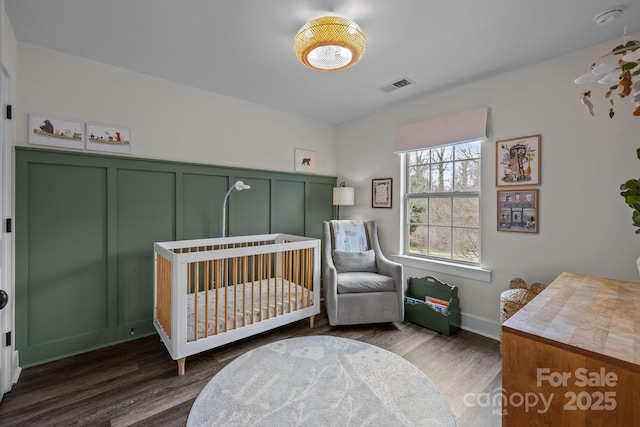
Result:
[
  {"x": 518, "y": 210},
  {"x": 55, "y": 131},
  {"x": 381, "y": 192},
  {"x": 518, "y": 161},
  {"x": 113, "y": 139},
  {"x": 305, "y": 161}
]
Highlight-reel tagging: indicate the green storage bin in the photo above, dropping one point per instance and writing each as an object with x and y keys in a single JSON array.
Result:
[{"x": 418, "y": 312}]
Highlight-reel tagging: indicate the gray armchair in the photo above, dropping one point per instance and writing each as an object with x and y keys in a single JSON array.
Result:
[{"x": 360, "y": 285}]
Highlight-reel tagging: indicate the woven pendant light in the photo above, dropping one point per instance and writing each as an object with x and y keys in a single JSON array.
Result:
[{"x": 330, "y": 43}]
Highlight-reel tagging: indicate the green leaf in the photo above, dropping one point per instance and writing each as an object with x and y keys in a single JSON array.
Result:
[
  {"x": 632, "y": 184},
  {"x": 611, "y": 114},
  {"x": 620, "y": 46},
  {"x": 636, "y": 73},
  {"x": 638, "y": 153},
  {"x": 629, "y": 66}
]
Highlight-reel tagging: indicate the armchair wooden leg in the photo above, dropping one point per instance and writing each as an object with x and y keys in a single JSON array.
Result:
[{"x": 312, "y": 320}]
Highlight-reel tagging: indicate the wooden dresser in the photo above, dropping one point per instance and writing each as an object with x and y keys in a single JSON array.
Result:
[{"x": 571, "y": 356}]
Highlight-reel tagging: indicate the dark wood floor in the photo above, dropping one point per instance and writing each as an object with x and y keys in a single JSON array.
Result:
[{"x": 136, "y": 383}]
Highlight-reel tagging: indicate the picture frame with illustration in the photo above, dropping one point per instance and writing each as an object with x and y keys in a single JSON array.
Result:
[
  {"x": 55, "y": 131},
  {"x": 108, "y": 138},
  {"x": 518, "y": 210},
  {"x": 518, "y": 161},
  {"x": 305, "y": 161},
  {"x": 381, "y": 192}
]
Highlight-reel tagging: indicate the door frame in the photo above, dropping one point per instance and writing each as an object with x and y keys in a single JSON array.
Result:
[{"x": 9, "y": 369}]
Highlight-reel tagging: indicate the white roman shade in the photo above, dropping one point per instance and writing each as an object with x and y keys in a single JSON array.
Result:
[{"x": 470, "y": 125}]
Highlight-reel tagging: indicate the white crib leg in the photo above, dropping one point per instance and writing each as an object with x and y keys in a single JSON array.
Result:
[
  {"x": 312, "y": 320},
  {"x": 181, "y": 363}
]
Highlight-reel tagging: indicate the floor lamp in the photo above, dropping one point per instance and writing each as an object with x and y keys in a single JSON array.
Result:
[
  {"x": 239, "y": 185},
  {"x": 342, "y": 196}
]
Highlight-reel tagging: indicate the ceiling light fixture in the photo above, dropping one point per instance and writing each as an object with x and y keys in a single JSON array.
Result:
[{"x": 329, "y": 43}]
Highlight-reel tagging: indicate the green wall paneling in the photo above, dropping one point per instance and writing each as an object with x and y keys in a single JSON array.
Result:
[
  {"x": 250, "y": 209},
  {"x": 67, "y": 253},
  {"x": 202, "y": 205},
  {"x": 288, "y": 207},
  {"x": 145, "y": 214},
  {"x": 318, "y": 208},
  {"x": 85, "y": 226}
]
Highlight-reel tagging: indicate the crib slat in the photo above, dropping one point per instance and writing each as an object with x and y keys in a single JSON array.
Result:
[
  {"x": 296, "y": 276},
  {"x": 206, "y": 298},
  {"x": 225, "y": 278},
  {"x": 269, "y": 261},
  {"x": 244, "y": 290},
  {"x": 217, "y": 286},
  {"x": 309, "y": 281},
  {"x": 196, "y": 277},
  {"x": 260, "y": 267},
  {"x": 234, "y": 280}
]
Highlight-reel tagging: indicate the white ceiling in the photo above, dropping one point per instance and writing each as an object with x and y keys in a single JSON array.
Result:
[{"x": 244, "y": 48}]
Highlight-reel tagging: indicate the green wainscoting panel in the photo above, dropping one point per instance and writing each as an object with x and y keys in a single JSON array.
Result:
[
  {"x": 85, "y": 227},
  {"x": 318, "y": 208},
  {"x": 250, "y": 209},
  {"x": 202, "y": 204},
  {"x": 67, "y": 254},
  {"x": 145, "y": 214},
  {"x": 288, "y": 208}
]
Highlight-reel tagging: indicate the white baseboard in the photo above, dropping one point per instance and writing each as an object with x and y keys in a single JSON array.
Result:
[
  {"x": 15, "y": 367},
  {"x": 481, "y": 326}
]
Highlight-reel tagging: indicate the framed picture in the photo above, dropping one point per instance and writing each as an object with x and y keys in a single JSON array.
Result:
[
  {"x": 518, "y": 161},
  {"x": 381, "y": 192},
  {"x": 55, "y": 131},
  {"x": 113, "y": 139},
  {"x": 518, "y": 210},
  {"x": 305, "y": 161}
]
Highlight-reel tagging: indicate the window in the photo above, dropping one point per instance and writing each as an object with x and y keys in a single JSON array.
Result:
[{"x": 443, "y": 203}]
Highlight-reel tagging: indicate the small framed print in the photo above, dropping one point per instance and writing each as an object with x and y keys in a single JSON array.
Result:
[
  {"x": 305, "y": 161},
  {"x": 55, "y": 131},
  {"x": 518, "y": 210},
  {"x": 381, "y": 189},
  {"x": 518, "y": 161},
  {"x": 112, "y": 139}
]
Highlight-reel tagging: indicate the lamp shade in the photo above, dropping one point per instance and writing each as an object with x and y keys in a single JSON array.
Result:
[
  {"x": 343, "y": 196},
  {"x": 329, "y": 43}
]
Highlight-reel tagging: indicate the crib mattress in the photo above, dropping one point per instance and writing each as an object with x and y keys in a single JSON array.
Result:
[{"x": 274, "y": 299}]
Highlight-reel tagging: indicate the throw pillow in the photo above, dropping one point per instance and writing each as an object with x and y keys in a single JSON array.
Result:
[{"x": 355, "y": 261}]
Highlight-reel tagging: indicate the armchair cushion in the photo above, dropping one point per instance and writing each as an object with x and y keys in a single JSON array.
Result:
[
  {"x": 355, "y": 261},
  {"x": 359, "y": 282}
]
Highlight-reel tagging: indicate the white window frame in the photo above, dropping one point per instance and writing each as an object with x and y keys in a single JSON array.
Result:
[{"x": 439, "y": 265}]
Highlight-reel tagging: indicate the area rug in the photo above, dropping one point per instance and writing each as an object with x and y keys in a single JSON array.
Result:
[{"x": 320, "y": 381}]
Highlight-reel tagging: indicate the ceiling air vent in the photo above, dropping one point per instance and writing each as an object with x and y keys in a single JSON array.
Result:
[{"x": 396, "y": 85}]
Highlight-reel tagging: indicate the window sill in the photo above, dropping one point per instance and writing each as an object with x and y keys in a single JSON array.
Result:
[{"x": 466, "y": 271}]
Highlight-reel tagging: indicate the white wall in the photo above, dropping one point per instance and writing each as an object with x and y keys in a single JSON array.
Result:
[
  {"x": 585, "y": 227},
  {"x": 168, "y": 121}
]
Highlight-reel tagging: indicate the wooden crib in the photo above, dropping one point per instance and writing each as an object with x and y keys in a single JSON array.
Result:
[{"x": 211, "y": 292}]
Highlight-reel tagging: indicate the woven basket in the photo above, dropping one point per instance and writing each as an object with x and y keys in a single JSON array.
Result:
[{"x": 513, "y": 300}]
